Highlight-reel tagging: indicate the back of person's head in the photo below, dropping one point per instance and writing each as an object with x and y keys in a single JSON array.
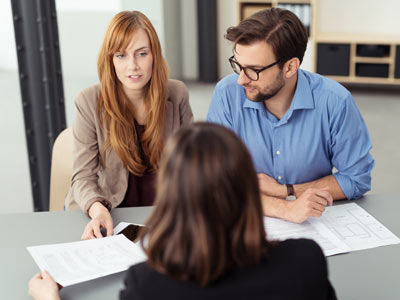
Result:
[
  {"x": 208, "y": 216},
  {"x": 115, "y": 109},
  {"x": 280, "y": 28}
]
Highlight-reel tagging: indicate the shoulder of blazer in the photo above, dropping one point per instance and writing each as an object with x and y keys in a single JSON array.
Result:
[
  {"x": 177, "y": 91},
  {"x": 88, "y": 97}
]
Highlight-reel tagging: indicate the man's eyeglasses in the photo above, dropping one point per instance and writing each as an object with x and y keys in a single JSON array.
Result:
[{"x": 249, "y": 72}]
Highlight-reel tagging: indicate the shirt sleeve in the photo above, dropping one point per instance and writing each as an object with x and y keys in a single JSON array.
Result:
[
  {"x": 350, "y": 147},
  {"x": 219, "y": 111}
]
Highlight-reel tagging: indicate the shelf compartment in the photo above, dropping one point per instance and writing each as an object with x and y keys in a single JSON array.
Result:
[
  {"x": 333, "y": 59},
  {"x": 372, "y": 70},
  {"x": 397, "y": 64},
  {"x": 372, "y": 50}
]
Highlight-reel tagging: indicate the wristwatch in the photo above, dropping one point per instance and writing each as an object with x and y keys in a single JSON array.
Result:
[{"x": 290, "y": 192}]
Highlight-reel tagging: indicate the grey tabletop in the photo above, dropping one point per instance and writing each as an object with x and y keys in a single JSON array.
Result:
[
  {"x": 372, "y": 273},
  {"x": 367, "y": 274}
]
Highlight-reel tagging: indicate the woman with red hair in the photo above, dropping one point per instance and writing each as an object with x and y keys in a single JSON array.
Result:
[{"x": 121, "y": 123}]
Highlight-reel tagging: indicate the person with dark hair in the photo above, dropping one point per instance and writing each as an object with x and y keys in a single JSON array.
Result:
[
  {"x": 122, "y": 122},
  {"x": 205, "y": 238},
  {"x": 307, "y": 138}
]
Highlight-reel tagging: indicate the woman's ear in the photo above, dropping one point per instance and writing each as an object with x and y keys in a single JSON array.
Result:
[{"x": 290, "y": 67}]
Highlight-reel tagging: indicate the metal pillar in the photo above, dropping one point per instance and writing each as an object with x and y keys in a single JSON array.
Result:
[
  {"x": 39, "y": 64},
  {"x": 207, "y": 32}
]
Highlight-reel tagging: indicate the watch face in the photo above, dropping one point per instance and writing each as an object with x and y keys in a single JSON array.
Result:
[{"x": 291, "y": 197}]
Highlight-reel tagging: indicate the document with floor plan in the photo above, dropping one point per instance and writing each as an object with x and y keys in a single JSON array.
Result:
[
  {"x": 71, "y": 263},
  {"x": 341, "y": 228}
]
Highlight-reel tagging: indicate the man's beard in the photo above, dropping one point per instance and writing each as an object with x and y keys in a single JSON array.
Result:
[{"x": 268, "y": 92}]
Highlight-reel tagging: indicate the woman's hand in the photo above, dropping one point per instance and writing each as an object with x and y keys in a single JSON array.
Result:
[
  {"x": 101, "y": 218},
  {"x": 43, "y": 287}
]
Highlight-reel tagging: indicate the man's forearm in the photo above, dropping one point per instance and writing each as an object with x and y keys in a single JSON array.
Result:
[
  {"x": 329, "y": 182},
  {"x": 274, "y": 207},
  {"x": 276, "y": 190},
  {"x": 270, "y": 187}
]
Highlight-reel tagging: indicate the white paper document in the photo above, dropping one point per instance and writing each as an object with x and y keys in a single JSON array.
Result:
[
  {"x": 71, "y": 263},
  {"x": 341, "y": 228},
  {"x": 356, "y": 227}
]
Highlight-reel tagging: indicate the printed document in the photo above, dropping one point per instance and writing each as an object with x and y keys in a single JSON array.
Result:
[
  {"x": 341, "y": 228},
  {"x": 71, "y": 263}
]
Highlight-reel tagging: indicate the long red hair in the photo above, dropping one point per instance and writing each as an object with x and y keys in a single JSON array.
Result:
[{"x": 115, "y": 111}]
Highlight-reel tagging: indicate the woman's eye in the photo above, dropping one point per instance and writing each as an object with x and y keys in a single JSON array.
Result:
[
  {"x": 119, "y": 55},
  {"x": 142, "y": 54}
]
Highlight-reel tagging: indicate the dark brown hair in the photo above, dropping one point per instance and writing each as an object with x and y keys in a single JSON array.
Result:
[
  {"x": 280, "y": 28},
  {"x": 208, "y": 216},
  {"x": 115, "y": 111}
]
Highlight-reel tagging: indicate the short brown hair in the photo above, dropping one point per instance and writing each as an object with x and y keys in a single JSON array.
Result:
[
  {"x": 280, "y": 28},
  {"x": 208, "y": 216}
]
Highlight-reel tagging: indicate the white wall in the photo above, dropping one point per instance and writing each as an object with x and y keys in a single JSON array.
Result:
[
  {"x": 88, "y": 5},
  {"x": 190, "y": 50},
  {"x": 8, "y": 55},
  {"x": 173, "y": 37},
  {"x": 359, "y": 16},
  {"x": 227, "y": 12},
  {"x": 80, "y": 35}
]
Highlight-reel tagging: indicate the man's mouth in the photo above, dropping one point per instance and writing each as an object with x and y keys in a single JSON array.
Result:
[{"x": 250, "y": 89}]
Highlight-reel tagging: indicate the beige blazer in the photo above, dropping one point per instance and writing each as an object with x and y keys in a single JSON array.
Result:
[{"x": 91, "y": 181}]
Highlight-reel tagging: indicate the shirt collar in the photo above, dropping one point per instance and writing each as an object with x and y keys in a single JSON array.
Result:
[
  {"x": 251, "y": 104},
  {"x": 302, "y": 98}
]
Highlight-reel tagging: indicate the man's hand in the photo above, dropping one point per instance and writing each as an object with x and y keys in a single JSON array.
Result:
[
  {"x": 270, "y": 187},
  {"x": 101, "y": 218},
  {"x": 311, "y": 203}
]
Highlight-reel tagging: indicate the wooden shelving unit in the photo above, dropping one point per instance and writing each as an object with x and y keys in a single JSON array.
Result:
[
  {"x": 368, "y": 59},
  {"x": 361, "y": 59}
]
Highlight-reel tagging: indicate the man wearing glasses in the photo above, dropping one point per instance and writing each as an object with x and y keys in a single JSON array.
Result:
[{"x": 298, "y": 125}]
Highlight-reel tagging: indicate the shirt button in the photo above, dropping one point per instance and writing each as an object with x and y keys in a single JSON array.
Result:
[
  {"x": 278, "y": 152},
  {"x": 279, "y": 177}
]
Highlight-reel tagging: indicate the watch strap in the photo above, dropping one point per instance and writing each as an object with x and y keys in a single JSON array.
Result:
[{"x": 290, "y": 190}]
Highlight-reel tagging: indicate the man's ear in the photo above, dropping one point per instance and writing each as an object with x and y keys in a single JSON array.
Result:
[{"x": 290, "y": 67}]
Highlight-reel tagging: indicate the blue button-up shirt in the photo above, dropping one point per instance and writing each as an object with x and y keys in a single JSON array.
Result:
[{"x": 322, "y": 129}]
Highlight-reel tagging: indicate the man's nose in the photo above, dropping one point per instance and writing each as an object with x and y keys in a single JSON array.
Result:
[{"x": 242, "y": 79}]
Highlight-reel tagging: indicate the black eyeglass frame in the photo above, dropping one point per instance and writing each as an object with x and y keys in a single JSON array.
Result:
[{"x": 232, "y": 61}]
